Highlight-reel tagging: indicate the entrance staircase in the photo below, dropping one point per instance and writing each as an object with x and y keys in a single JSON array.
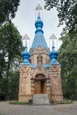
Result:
[{"x": 40, "y": 99}]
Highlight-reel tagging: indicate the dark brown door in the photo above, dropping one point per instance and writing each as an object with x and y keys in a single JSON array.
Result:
[
  {"x": 40, "y": 87},
  {"x": 43, "y": 86},
  {"x": 37, "y": 87}
]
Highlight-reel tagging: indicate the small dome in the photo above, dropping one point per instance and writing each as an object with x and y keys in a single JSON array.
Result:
[
  {"x": 53, "y": 54},
  {"x": 53, "y": 57},
  {"x": 26, "y": 55},
  {"x": 39, "y": 23}
]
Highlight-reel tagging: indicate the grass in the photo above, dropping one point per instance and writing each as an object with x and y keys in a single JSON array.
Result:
[
  {"x": 65, "y": 101},
  {"x": 20, "y": 103},
  {"x": 1, "y": 114}
]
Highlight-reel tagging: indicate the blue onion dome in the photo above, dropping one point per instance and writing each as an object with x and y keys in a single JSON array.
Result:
[
  {"x": 39, "y": 24},
  {"x": 53, "y": 57},
  {"x": 53, "y": 53},
  {"x": 26, "y": 55}
]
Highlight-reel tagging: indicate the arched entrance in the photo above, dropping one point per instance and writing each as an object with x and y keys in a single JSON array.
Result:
[{"x": 40, "y": 84}]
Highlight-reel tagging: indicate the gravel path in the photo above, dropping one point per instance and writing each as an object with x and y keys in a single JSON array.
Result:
[{"x": 8, "y": 109}]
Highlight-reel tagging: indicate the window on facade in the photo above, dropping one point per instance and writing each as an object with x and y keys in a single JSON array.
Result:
[{"x": 39, "y": 59}]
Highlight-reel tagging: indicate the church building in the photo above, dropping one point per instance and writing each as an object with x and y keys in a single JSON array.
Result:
[{"x": 40, "y": 72}]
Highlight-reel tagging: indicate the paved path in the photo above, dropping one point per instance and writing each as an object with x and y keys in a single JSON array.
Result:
[{"x": 8, "y": 109}]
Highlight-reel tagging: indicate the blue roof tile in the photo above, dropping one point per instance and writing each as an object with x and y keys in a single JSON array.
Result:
[{"x": 39, "y": 39}]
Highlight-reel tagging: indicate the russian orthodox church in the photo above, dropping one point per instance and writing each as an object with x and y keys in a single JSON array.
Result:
[{"x": 40, "y": 72}]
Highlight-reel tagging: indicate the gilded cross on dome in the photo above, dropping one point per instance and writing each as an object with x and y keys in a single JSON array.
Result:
[
  {"x": 38, "y": 9},
  {"x": 53, "y": 38},
  {"x": 25, "y": 38}
]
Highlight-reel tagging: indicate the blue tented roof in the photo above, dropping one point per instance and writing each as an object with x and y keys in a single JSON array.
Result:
[{"x": 39, "y": 39}]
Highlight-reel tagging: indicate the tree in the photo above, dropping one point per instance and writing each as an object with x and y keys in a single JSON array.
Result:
[
  {"x": 8, "y": 9},
  {"x": 68, "y": 60},
  {"x": 67, "y": 12},
  {"x": 13, "y": 85},
  {"x": 10, "y": 47}
]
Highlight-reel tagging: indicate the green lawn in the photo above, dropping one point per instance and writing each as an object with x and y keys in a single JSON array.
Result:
[{"x": 1, "y": 114}]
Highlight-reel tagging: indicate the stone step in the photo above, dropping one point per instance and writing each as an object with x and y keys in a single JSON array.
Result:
[{"x": 41, "y": 99}]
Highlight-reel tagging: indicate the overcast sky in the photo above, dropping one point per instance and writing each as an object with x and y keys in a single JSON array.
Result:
[{"x": 25, "y": 19}]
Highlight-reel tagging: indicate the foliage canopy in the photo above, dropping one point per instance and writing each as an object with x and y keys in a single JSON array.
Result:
[
  {"x": 8, "y": 9},
  {"x": 67, "y": 12}
]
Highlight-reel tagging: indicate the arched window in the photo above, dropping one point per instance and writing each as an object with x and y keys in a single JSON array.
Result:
[{"x": 39, "y": 59}]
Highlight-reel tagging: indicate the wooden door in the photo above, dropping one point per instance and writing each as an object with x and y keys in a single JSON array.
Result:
[
  {"x": 43, "y": 87},
  {"x": 40, "y": 87},
  {"x": 37, "y": 87}
]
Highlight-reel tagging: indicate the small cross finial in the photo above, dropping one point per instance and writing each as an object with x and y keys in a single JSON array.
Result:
[
  {"x": 25, "y": 38},
  {"x": 53, "y": 38},
  {"x": 38, "y": 9}
]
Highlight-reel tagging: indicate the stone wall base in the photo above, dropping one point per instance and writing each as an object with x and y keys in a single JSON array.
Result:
[
  {"x": 57, "y": 98},
  {"x": 24, "y": 98}
]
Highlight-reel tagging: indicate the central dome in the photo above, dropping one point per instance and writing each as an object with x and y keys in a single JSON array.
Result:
[{"x": 39, "y": 23}]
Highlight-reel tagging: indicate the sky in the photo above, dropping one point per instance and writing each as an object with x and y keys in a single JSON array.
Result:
[{"x": 26, "y": 17}]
